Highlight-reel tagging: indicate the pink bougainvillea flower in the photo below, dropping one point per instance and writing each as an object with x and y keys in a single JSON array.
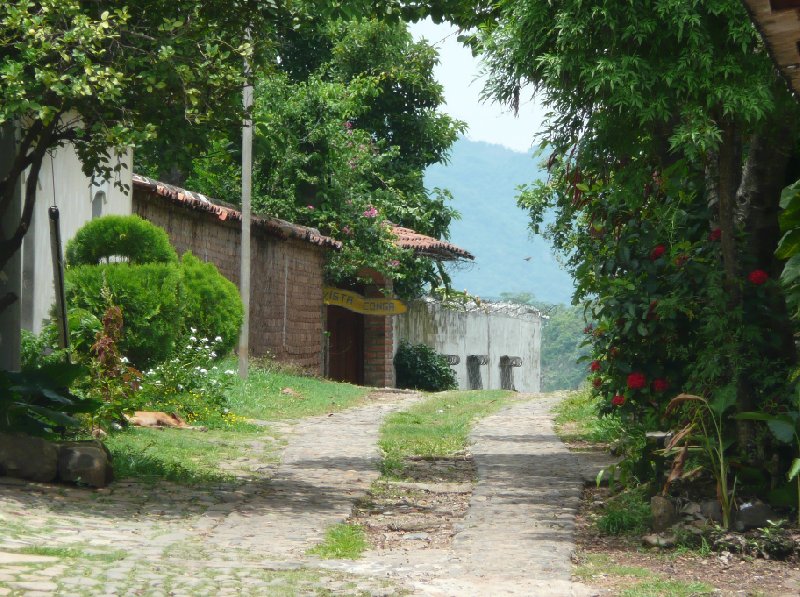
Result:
[
  {"x": 597, "y": 382},
  {"x": 758, "y": 277},
  {"x": 660, "y": 384},
  {"x": 618, "y": 400},
  {"x": 636, "y": 381},
  {"x": 370, "y": 212},
  {"x": 394, "y": 263},
  {"x": 346, "y": 230},
  {"x": 309, "y": 207},
  {"x": 595, "y": 366},
  {"x": 657, "y": 252},
  {"x": 715, "y": 235}
]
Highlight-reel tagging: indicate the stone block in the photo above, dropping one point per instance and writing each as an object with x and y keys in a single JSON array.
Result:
[
  {"x": 26, "y": 457},
  {"x": 663, "y": 512},
  {"x": 84, "y": 463}
]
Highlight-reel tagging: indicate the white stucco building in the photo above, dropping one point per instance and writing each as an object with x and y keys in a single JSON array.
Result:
[
  {"x": 63, "y": 184},
  {"x": 496, "y": 345}
]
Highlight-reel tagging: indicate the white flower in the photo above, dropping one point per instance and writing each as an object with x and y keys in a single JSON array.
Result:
[
  {"x": 192, "y": 338},
  {"x": 204, "y": 340},
  {"x": 214, "y": 368},
  {"x": 213, "y": 355},
  {"x": 218, "y": 339},
  {"x": 124, "y": 359},
  {"x": 229, "y": 372},
  {"x": 203, "y": 371},
  {"x": 180, "y": 387},
  {"x": 194, "y": 331}
]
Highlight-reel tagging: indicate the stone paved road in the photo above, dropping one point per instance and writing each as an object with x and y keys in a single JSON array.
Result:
[
  {"x": 250, "y": 538},
  {"x": 517, "y": 536}
]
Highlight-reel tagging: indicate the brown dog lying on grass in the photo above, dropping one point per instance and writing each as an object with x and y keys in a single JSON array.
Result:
[{"x": 146, "y": 418}]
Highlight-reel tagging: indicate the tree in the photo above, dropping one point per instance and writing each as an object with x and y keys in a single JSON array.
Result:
[
  {"x": 343, "y": 134},
  {"x": 671, "y": 136},
  {"x": 101, "y": 77}
]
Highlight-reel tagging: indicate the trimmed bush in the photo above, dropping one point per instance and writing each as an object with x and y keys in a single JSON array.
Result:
[
  {"x": 151, "y": 299},
  {"x": 127, "y": 236},
  {"x": 421, "y": 368},
  {"x": 212, "y": 304}
]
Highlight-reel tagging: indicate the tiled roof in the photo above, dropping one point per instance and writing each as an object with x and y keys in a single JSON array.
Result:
[
  {"x": 427, "y": 245},
  {"x": 199, "y": 202},
  {"x": 779, "y": 24}
]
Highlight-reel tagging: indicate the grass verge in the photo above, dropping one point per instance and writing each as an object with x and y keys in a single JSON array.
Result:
[
  {"x": 269, "y": 394},
  {"x": 342, "y": 542},
  {"x": 178, "y": 455},
  {"x": 438, "y": 427},
  {"x": 577, "y": 419},
  {"x": 636, "y": 581},
  {"x": 73, "y": 553}
]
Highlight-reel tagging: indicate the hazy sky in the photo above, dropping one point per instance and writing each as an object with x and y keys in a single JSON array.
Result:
[{"x": 458, "y": 72}]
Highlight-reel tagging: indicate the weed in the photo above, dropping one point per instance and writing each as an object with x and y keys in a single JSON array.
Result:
[
  {"x": 342, "y": 541},
  {"x": 626, "y": 513},
  {"x": 596, "y": 563},
  {"x": 577, "y": 419},
  {"x": 667, "y": 588},
  {"x": 73, "y": 553}
]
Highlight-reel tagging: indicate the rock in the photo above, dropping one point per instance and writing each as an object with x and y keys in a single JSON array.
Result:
[
  {"x": 754, "y": 515},
  {"x": 417, "y": 537},
  {"x": 26, "y": 457},
  {"x": 663, "y": 513},
  {"x": 84, "y": 463},
  {"x": 656, "y": 540},
  {"x": 693, "y": 510},
  {"x": 711, "y": 510}
]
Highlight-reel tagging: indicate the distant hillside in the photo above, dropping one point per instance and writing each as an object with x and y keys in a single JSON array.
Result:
[{"x": 483, "y": 179}]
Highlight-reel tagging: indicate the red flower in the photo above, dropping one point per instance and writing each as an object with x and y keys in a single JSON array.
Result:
[
  {"x": 597, "y": 382},
  {"x": 618, "y": 400},
  {"x": 660, "y": 384},
  {"x": 715, "y": 235},
  {"x": 758, "y": 277},
  {"x": 657, "y": 252},
  {"x": 613, "y": 352},
  {"x": 588, "y": 329},
  {"x": 595, "y": 366},
  {"x": 636, "y": 381}
]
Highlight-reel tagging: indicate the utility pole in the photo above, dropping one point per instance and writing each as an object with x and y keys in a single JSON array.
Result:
[{"x": 247, "y": 186}]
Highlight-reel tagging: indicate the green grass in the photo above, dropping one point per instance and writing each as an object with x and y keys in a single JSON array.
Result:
[
  {"x": 647, "y": 583},
  {"x": 577, "y": 419},
  {"x": 179, "y": 455},
  {"x": 668, "y": 588},
  {"x": 260, "y": 396},
  {"x": 342, "y": 541},
  {"x": 73, "y": 553},
  {"x": 438, "y": 427},
  {"x": 627, "y": 513}
]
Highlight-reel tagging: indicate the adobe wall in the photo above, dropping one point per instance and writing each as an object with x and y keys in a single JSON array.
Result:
[
  {"x": 488, "y": 330},
  {"x": 286, "y": 308}
]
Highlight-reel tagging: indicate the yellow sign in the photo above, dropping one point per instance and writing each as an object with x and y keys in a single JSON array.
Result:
[{"x": 360, "y": 304}]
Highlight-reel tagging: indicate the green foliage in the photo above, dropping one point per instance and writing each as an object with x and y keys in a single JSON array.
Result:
[
  {"x": 420, "y": 367},
  {"x": 39, "y": 402},
  {"x": 150, "y": 296},
  {"x": 212, "y": 305},
  {"x": 436, "y": 428},
  {"x": 627, "y": 513},
  {"x": 342, "y": 541},
  {"x": 189, "y": 383},
  {"x": 343, "y": 132},
  {"x": 577, "y": 418},
  {"x": 130, "y": 237}
]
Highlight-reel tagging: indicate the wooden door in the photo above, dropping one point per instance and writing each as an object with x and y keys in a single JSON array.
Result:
[{"x": 346, "y": 345}]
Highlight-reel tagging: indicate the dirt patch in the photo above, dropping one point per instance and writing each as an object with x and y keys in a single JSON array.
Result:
[
  {"x": 422, "y": 512},
  {"x": 616, "y": 563}
]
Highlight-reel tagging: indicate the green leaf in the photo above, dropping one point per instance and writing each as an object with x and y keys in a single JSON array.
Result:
[
  {"x": 789, "y": 245},
  {"x": 794, "y": 470},
  {"x": 54, "y": 415}
]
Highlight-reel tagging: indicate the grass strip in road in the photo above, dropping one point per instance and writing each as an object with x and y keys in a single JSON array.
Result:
[
  {"x": 342, "y": 542},
  {"x": 113, "y": 555},
  {"x": 577, "y": 419},
  {"x": 636, "y": 581},
  {"x": 436, "y": 428}
]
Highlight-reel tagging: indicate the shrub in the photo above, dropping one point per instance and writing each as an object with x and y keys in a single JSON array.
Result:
[
  {"x": 212, "y": 305},
  {"x": 422, "y": 368},
  {"x": 151, "y": 299},
  {"x": 126, "y": 236},
  {"x": 627, "y": 513}
]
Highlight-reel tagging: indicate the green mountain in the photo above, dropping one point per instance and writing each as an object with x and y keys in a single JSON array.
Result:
[{"x": 483, "y": 178}]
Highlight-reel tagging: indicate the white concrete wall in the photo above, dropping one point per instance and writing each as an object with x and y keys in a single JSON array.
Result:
[
  {"x": 483, "y": 330},
  {"x": 73, "y": 195}
]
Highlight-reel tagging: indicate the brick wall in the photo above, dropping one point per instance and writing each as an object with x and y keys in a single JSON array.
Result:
[
  {"x": 285, "y": 278},
  {"x": 378, "y": 341}
]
